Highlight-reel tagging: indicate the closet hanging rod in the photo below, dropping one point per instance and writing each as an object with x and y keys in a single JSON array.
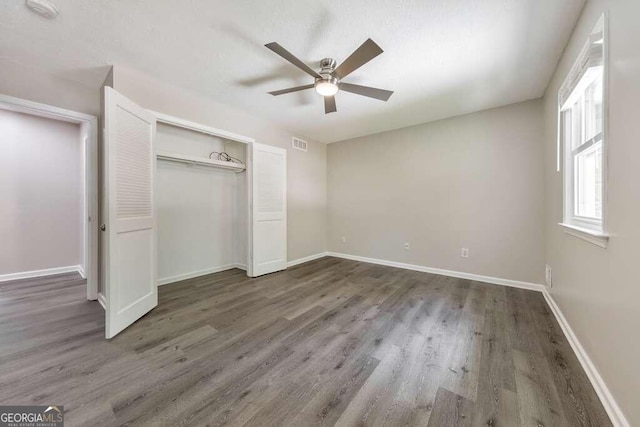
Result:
[{"x": 200, "y": 161}]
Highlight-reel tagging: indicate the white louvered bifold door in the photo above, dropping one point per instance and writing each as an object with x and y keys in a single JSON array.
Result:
[
  {"x": 269, "y": 209},
  {"x": 131, "y": 289}
]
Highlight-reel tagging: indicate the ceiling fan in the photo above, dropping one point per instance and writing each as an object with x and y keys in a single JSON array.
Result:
[{"x": 329, "y": 80}]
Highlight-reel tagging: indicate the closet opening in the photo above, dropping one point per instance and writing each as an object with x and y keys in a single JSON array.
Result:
[
  {"x": 201, "y": 200},
  {"x": 48, "y": 211}
]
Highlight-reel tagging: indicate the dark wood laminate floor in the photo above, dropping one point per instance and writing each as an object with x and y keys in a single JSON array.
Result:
[{"x": 327, "y": 342}]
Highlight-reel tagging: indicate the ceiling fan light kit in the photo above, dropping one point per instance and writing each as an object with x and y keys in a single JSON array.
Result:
[
  {"x": 327, "y": 86},
  {"x": 329, "y": 80}
]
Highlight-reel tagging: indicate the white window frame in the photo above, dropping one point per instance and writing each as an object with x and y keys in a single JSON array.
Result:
[{"x": 589, "y": 229}]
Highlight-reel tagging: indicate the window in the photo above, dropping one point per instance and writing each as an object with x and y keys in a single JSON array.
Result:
[{"x": 582, "y": 106}]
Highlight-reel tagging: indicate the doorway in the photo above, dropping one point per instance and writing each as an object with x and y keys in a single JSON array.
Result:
[{"x": 32, "y": 219}]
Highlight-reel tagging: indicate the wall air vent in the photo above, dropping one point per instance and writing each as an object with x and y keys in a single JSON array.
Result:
[{"x": 299, "y": 144}]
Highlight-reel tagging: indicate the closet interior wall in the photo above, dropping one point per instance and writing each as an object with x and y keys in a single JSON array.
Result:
[{"x": 202, "y": 210}]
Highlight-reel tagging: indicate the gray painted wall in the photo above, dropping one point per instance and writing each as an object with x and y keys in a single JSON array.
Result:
[
  {"x": 473, "y": 181},
  {"x": 598, "y": 290}
]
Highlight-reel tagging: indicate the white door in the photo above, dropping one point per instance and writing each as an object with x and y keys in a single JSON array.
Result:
[
  {"x": 130, "y": 273},
  {"x": 268, "y": 243}
]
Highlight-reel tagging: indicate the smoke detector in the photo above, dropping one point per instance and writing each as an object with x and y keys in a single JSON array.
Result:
[{"x": 43, "y": 8}]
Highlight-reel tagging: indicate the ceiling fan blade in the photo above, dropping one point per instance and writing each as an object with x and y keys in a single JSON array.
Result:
[
  {"x": 329, "y": 104},
  {"x": 276, "y": 48},
  {"x": 291, "y": 89},
  {"x": 371, "y": 92},
  {"x": 365, "y": 53}
]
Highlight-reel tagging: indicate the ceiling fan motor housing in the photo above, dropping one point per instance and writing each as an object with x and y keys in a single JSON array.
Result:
[{"x": 327, "y": 65}]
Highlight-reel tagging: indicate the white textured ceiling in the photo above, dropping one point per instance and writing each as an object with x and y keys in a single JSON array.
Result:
[{"x": 442, "y": 57}]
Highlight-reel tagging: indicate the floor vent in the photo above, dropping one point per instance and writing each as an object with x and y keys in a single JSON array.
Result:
[{"x": 299, "y": 144}]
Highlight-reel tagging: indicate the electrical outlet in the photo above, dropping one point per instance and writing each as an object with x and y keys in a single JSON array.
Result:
[
  {"x": 464, "y": 252},
  {"x": 548, "y": 276},
  {"x": 344, "y": 239},
  {"x": 407, "y": 246}
]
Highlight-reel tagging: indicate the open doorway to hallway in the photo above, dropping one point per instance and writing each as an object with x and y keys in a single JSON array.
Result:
[{"x": 47, "y": 170}]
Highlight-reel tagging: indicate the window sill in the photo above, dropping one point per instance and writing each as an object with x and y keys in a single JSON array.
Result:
[{"x": 591, "y": 236}]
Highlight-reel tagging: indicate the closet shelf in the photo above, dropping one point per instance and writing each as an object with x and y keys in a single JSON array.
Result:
[{"x": 201, "y": 161}]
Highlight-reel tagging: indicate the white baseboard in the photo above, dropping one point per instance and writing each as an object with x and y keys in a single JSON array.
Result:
[
  {"x": 610, "y": 405},
  {"x": 191, "y": 275},
  {"x": 306, "y": 259},
  {"x": 240, "y": 266},
  {"x": 81, "y": 272},
  {"x": 41, "y": 273},
  {"x": 450, "y": 273},
  {"x": 102, "y": 300}
]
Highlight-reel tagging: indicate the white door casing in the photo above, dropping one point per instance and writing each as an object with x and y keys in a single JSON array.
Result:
[
  {"x": 130, "y": 228},
  {"x": 268, "y": 243}
]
